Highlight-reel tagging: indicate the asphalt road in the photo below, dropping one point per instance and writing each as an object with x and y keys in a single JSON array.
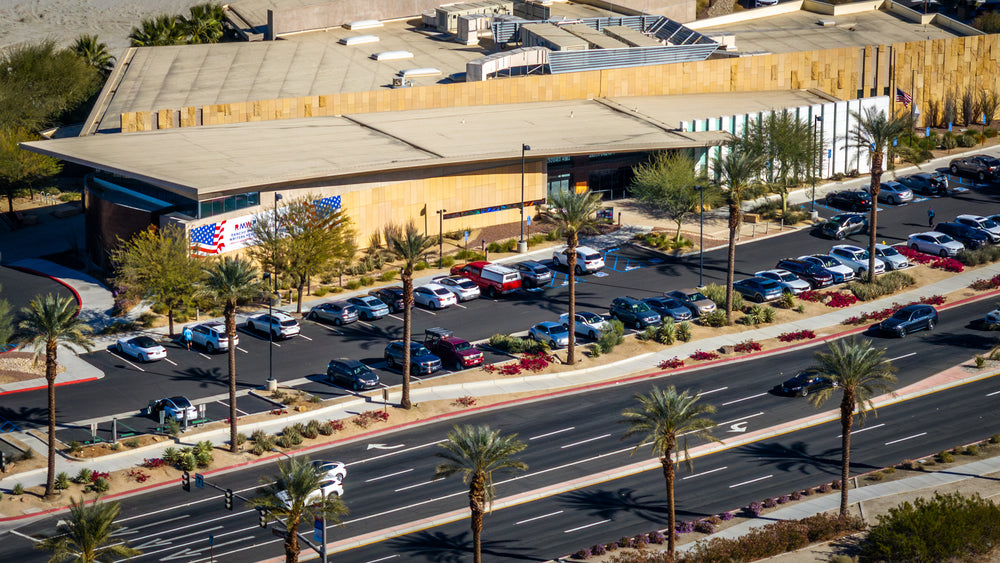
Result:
[
  {"x": 19, "y": 288},
  {"x": 128, "y": 386},
  {"x": 389, "y": 481}
]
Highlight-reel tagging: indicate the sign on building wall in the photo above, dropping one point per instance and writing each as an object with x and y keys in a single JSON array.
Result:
[{"x": 232, "y": 234}]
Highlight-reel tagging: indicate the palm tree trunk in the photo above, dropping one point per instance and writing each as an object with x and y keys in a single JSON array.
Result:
[
  {"x": 734, "y": 227},
  {"x": 477, "y": 499},
  {"x": 292, "y": 541},
  {"x": 874, "y": 188},
  {"x": 298, "y": 302},
  {"x": 404, "y": 401},
  {"x": 571, "y": 240},
  {"x": 668, "y": 476},
  {"x": 230, "y": 314},
  {"x": 50, "y": 378},
  {"x": 846, "y": 421},
  {"x": 170, "y": 321}
]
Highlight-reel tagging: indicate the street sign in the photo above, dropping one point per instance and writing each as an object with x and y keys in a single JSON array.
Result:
[
  {"x": 318, "y": 530},
  {"x": 528, "y": 218},
  {"x": 606, "y": 213},
  {"x": 199, "y": 480},
  {"x": 211, "y": 540},
  {"x": 466, "y": 236}
]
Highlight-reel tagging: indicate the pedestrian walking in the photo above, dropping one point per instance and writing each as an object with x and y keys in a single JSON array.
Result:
[
  {"x": 188, "y": 335},
  {"x": 930, "y": 217}
]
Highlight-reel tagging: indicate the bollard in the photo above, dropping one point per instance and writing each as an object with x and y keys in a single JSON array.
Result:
[
  {"x": 753, "y": 231},
  {"x": 782, "y": 228},
  {"x": 114, "y": 430},
  {"x": 767, "y": 227}
]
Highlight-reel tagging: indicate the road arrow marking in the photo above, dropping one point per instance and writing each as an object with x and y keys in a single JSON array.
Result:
[
  {"x": 182, "y": 554},
  {"x": 383, "y": 447},
  {"x": 738, "y": 427},
  {"x": 156, "y": 542}
]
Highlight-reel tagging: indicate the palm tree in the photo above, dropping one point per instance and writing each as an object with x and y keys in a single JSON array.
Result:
[
  {"x": 737, "y": 171},
  {"x": 571, "y": 214},
  {"x": 662, "y": 418},
  {"x": 50, "y": 322},
  {"x": 90, "y": 49},
  {"x": 204, "y": 25},
  {"x": 287, "y": 498},
  {"x": 231, "y": 280},
  {"x": 475, "y": 452},
  {"x": 87, "y": 536},
  {"x": 158, "y": 32},
  {"x": 408, "y": 246},
  {"x": 876, "y": 130},
  {"x": 860, "y": 373}
]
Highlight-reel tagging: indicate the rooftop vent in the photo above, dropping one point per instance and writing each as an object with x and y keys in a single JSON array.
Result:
[
  {"x": 359, "y": 40},
  {"x": 392, "y": 55},
  {"x": 414, "y": 72},
  {"x": 363, "y": 24}
]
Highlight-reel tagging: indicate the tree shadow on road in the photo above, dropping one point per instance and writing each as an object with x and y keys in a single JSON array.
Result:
[
  {"x": 607, "y": 504},
  {"x": 796, "y": 458},
  {"x": 440, "y": 547}
]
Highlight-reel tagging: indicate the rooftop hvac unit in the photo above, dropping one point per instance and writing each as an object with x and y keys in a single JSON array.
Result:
[{"x": 400, "y": 82}]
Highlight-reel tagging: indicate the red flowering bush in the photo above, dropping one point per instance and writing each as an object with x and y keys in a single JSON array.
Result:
[
  {"x": 99, "y": 475},
  {"x": 336, "y": 425},
  {"x": 933, "y": 300},
  {"x": 278, "y": 412},
  {"x": 813, "y": 296},
  {"x": 948, "y": 265},
  {"x": 747, "y": 347},
  {"x": 702, "y": 355},
  {"x": 154, "y": 462},
  {"x": 796, "y": 335},
  {"x": 914, "y": 256},
  {"x": 137, "y": 475},
  {"x": 366, "y": 419},
  {"x": 530, "y": 362},
  {"x": 672, "y": 363},
  {"x": 841, "y": 300},
  {"x": 465, "y": 401},
  {"x": 985, "y": 285}
]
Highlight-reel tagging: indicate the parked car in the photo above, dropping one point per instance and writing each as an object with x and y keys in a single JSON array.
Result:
[
  {"x": 351, "y": 374},
  {"x": 992, "y": 318},
  {"x": 278, "y": 324},
  {"x": 840, "y": 226},
  {"x": 212, "y": 336},
  {"x": 816, "y": 275},
  {"x": 693, "y": 300},
  {"x": 935, "y": 243},
  {"x": 894, "y": 193},
  {"x": 632, "y": 311},
  {"x": 892, "y": 258},
  {"x": 337, "y": 312},
  {"x": 327, "y": 487},
  {"x": 970, "y": 237},
  {"x": 840, "y": 272},
  {"x": 421, "y": 359},
  {"x": 330, "y": 469},
  {"x": 392, "y": 296},
  {"x": 855, "y": 258},
  {"x": 925, "y": 183},
  {"x": 987, "y": 226},
  {"x": 493, "y": 279},
  {"x": 788, "y": 281},
  {"x": 553, "y": 334},
  {"x": 669, "y": 307},
  {"x": 758, "y": 289},
  {"x": 533, "y": 274},
  {"x": 852, "y": 200},
  {"x": 455, "y": 351},
  {"x": 588, "y": 324},
  {"x": 980, "y": 166},
  {"x": 805, "y": 382},
  {"x": 910, "y": 319},
  {"x": 463, "y": 288},
  {"x": 588, "y": 260},
  {"x": 173, "y": 407},
  {"x": 369, "y": 307},
  {"x": 434, "y": 296},
  {"x": 142, "y": 348}
]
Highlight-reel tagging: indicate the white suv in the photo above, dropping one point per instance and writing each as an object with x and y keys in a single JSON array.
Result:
[
  {"x": 212, "y": 336},
  {"x": 855, "y": 258},
  {"x": 933, "y": 242},
  {"x": 280, "y": 325},
  {"x": 587, "y": 259}
]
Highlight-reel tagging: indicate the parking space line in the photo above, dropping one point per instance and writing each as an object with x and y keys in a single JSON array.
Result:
[
  {"x": 304, "y": 336},
  {"x": 204, "y": 355},
  {"x": 169, "y": 361},
  {"x": 460, "y": 305},
  {"x": 124, "y": 360},
  {"x": 331, "y": 329},
  {"x": 225, "y": 404},
  {"x": 425, "y": 311},
  {"x": 242, "y": 350}
]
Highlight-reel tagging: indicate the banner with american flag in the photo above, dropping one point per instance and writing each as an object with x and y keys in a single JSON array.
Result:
[
  {"x": 903, "y": 97},
  {"x": 208, "y": 239}
]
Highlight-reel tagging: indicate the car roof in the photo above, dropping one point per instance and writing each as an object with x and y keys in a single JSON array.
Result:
[
  {"x": 349, "y": 362},
  {"x": 849, "y": 247},
  {"x": 929, "y": 233},
  {"x": 973, "y": 217},
  {"x": 892, "y": 184},
  {"x": 281, "y": 316},
  {"x": 549, "y": 324},
  {"x": 434, "y": 286}
]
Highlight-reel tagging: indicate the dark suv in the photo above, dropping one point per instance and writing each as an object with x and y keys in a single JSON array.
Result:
[
  {"x": 852, "y": 200},
  {"x": 910, "y": 319},
  {"x": 839, "y": 226},
  {"x": 972, "y": 238},
  {"x": 351, "y": 374},
  {"x": 981, "y": 166},
  {"x": 421, "y": 359},
  {"x": 458, "y": 352},
  {"x": 630, "y": 310},
  {"x": 391, "y": 296},
  {"x": 816, "y": 275}
]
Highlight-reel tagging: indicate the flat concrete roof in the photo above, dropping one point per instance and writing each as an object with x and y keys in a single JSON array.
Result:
[
  {"x": 206, "y": 160},
  {"x": 799, "y": 31}
]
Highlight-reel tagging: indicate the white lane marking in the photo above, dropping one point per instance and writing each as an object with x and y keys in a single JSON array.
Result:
[
  {"x": 192, "y": 503},
  {"x": 750, "y": 481},
  {"x": 330, "y": 328},
  {"x": 425, "y": 310},
  {"x": 704, "y": 473},
  {"x": 738, "y": 426},
  {"x": 242, "y": 350},
  {"x": 413, "y": 486},
  {"x": 122, "y": 358},
  {"x": 460, "y": 305},
  {"x": 169, "y": 361},
  {"x": 215, "y": 498},
  {"x": 396, "y": 452},
  {"x": 554, "y": 432},
  {"x": 203, "y": 355},
  {"x": 392, "y": 317},
  {"x": 225, "y": 404},
  {"x": 743, "y": 399},
  {"x": 25, "y": 536},
  {"x": 383, "y": 558},
  {"x": 901, "y": 357},
  {"x": 158, "y": 542},
  {"x": 993, "y": 393},
  {"x": 585, "y": 526},
  {"x": 220, "y": 555},
  {"x": 538, "y": 517},
  {"x": 703, "y": 393},
  {"x": 585, "y": 441},
  {"x": 304, "y": 336},
  {"x": 187, "y": 552},
  {"x": 389, "y": 475},
  {"x": 125, "y": 530},
  {"x": 853, "y": 432},
  {"x": 907, "y": 438}
]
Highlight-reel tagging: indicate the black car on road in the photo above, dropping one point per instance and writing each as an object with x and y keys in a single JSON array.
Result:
[
  {"x": 980, "y": 166},
  {"x": 351, "y": 374},
  {"x": 971, "y": 237},
  {"x": 805, "y": 382},
  {"x": 840, "y": 226},
  {"x": 852, "y": 200},
  {"x": 910, "y": 319}
]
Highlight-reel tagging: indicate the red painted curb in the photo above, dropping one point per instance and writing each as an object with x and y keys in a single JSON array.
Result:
[
  {"x": 64, "y": 383},
  {"x": 76, "y": 295}
]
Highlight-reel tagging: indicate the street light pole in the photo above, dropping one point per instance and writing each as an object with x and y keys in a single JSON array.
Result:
[
  {"x": 816, "y": 148},
  {"x": 270, "y": 298},
  {"x": 522, "y": 246},
  {"x": 701, "y": 237},
  {"x": 441, "y": 213}
]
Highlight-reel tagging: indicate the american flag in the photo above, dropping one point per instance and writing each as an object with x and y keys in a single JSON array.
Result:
[
  {"x": 207, "y": 239},
  {"x": 902, "y": 96},
  {"x": 327, "y": 204}
]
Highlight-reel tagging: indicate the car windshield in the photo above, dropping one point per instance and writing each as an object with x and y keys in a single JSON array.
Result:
[
  {"x": 463, "y": 346},
  {"x": 640, "y": 307},
  {"x": 987, "y": 224},
  {"x": 672, "y": 304},
  {"x": 466, "y": 283},
  {"x": 144, "y": 342},
  {"x": 358, "y": 370},
  {"x": 889, "y": 251},
  {"x": 787, "y": 277},
  {"x": 371, "y": 301},
  {"x": 419, "y": 350},
  {"x": 861, "y": 255},
  {"x": 827, "y": 261},
  {"x": 944, "y": 239},
  {"x": 697, "y": 296}
]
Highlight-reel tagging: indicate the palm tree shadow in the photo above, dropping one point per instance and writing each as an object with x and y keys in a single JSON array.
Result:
[
  {"x": 440, "y": 547},
  {"x": 795, "y": 457},
  {"x": 607, "y": 504}
]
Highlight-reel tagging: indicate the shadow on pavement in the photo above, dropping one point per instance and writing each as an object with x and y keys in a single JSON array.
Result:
[{"x": 443, "y": 548}]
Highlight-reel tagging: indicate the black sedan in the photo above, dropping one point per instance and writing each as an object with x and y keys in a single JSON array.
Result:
[
  {"x": 852, "y": 200},
  {"x": 816, "y": 275},
  {"x": 351, "y": 374},
  {"x": 980, "y": 166},
  {"x": 910, "y": 319},
  {"x": 970, "y": 237},
  {"x": 805, "y": 382}
]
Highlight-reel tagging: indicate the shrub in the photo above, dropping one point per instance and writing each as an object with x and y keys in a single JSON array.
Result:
[
  {"x": 875, "y": 476},
  {"x": 786, "y": 301},
  {"x": 388, "y": 275},
  {"x": 672, "y": 363},
  {"x": 825, "y": 488},
  {"x": 153, "y": 462},
  {"x": 595, "y": 351},
  {"x": 971, "y": 450},
  {"x": 982, "y": 255},
  {"x": 747, "y": 347},
  {"x": 684, "y": 527},
  {"x": 515, "y": 345},
  {"x": 945, "y": 457},
  {"x": 611, "y": 336},
  {"x": 754, "y": 509},
  {"x": 704, "y": 527},
  {"x": 598, "y": 549},
  {"x": 716, "y": 318},
  {"x": 367, "y": 418},
  {"x": 446, "y": 262},
  {"x": 311, "y": 430},
  {"x": 702, "y": 355},
  {"x": 717, "y": 293},
  {"x": 770, "y": 502},
  {"x": 793, "y": 336},
  {"x": 467, "y": 401},
  {"x": 783, "y": 499},
  {"x": 684, "y": 331},
  {"x": 83, "y": 476},
  {"x": 796, "y": 495},
  {"x": 101, "y": 485},
  {"x": 352, "y": 285},
  {"x": 17, "y": 490},
  {"x": 62, "y": 481},
  {"x": 75, "y": 447},
  {"x": 321, "y": 291},
  {"x": 995, "y": 439},
  {"x": 774, "y": 538},
  {"x": 582, "y": 554},
  {"x": 132, "y": 443}
]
